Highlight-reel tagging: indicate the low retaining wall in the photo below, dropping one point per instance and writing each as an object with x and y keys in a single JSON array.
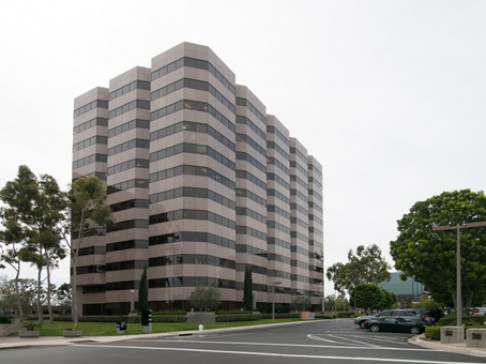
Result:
[{"x": 9, "y": 329}]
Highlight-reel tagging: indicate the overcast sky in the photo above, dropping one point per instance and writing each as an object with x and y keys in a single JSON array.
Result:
[{"x": 388, "y": 95}]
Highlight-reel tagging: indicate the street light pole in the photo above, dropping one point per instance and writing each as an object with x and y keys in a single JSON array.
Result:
[{"x": 458, "y": 261}]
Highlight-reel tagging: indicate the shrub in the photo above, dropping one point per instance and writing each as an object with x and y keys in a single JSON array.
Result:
[
  {"x": 169, "y": 313},
  {"x": 169, "y": 318},
  {"x": 432, "y": 332},
  {"x": 345, "y": 314},
  {"x": 238, "y": 317},
  {"x": 234, "y": 312},
  {"x": 5, "y": 320},
  {"x": 450, "y": 320},
  {"x": 30, "y": 326}
]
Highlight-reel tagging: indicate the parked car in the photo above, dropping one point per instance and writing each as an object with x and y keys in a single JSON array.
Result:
[
  {"x": 409, "y": 313},
  {"x": 395, "y": 324},
  {"x": 478, "y": 311},
  {"x": 432, "y": 315}
]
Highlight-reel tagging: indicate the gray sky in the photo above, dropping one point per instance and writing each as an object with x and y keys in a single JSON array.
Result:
[{"x": 388, "y": 95}]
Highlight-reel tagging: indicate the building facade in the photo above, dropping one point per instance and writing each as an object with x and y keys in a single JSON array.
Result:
[
  {"x": 202, "y": 183},
  {"x": 407, "y": 291}
]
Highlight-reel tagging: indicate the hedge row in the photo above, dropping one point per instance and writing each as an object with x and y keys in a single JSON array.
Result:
[
  {"x": 169, "y": 313},
  {"x": 234, "y": 312},
  {"x": 466, "y": 320},
  {"x": 5, "y": 320},
  {"x": 433, "y": 332},
  {"x": 238, "y": 317},
  {"x": 224, "y": 316}
]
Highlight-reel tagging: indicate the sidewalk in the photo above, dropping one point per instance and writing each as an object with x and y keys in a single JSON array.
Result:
[
  {"x": 11, "y": 342},
  {"x": 461, "y": 348}
]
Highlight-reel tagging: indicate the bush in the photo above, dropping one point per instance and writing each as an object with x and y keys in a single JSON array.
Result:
[
  {"x": 450, "y": 320},
  {"x": 345, "y": 314},
  {"x": 234, "y": 312},
  {"x": 169, "y": 313},
  {"x": 280, "y": 315},
  {"x": 170, "y": 318},
  {"x": 238, "y": 317},
  {"x": 5, "y": 320},
  {"x": 432, "y": 332}
]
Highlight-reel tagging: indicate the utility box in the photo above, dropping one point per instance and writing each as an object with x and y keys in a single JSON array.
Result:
[
  {"x": 451, "y": 334},
  {"x": 476, "y": 338},
  {"x": 121, "y": 326},
  {"x": 306, "y": 315}
]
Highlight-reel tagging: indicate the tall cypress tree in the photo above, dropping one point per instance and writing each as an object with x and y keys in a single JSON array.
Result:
[
  {"x": 248, "y": 291},
  {"x": 143, "y": 292}
]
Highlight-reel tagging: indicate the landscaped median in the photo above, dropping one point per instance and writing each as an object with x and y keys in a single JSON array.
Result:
[{"x": 91, "y": 328}]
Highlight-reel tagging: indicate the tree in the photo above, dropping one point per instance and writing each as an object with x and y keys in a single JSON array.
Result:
[
  {"x": 143, "y": 293},
  {"x": 367, "y": 266},
  {"x": 88, "y": 214},
  {"x": 205, "y": 298},
  {"x": 248, "y": 290},
  {"x": 430, "y": 256},
  {"x": 301, "y": 302},
  {"x": 64, "y": 298},
  {"x": 426, "y": 302},
  {"x": 34, "y": 212},
  {"x": 371, "y": 297},
  {"x": 18, "y": 197},
  {"x": 18, "y": 295}
]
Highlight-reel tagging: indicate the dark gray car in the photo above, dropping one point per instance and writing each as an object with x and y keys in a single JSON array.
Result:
[{"x": 408, "y": 313}]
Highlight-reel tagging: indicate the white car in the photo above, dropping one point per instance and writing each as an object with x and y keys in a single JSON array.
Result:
[{"x": 478, "y": 311}]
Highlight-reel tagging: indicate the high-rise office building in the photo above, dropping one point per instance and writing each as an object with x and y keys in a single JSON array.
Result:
[{"x": 202, "y": 183}]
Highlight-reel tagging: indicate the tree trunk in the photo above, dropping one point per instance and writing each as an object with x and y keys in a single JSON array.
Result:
[
  {"x": 40, "y": 315},
  {"x": 74, "y": 260},
  {"x": 17, "y": 293},
  {"x": 49, "y": 306}
]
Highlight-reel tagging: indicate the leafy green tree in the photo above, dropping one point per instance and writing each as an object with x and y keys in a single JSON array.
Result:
[
  {"x": 143, "y": 293},
  {"x": 64, "y": 297},
  {"x": 389, "y": 299},
  {"x": 431, "y": 256},
  {"x": 51, "y": 204},
  {"x": 426, "y": 302},
  {"x": 205, "y": 298},
  {"x": 248, "y": 290},
  {"x": 301, "y": 302},
  {"x": 367, "y": 266},
  {"x": 18, "y": 197},
  {"x": 89, "y": 214},
  {"x": 18, "y": 295},
  {"x": 371, "y": 297}
]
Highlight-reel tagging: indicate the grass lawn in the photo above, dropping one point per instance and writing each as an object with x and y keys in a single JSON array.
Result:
[{"x": 109, "y": 328}]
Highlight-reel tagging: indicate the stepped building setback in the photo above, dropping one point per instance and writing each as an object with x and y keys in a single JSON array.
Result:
[{"x": 202, "y": 183}]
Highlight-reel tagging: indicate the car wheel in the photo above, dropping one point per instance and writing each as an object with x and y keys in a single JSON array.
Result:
[
  {"x": 362, "y": 324},
  {"x": 374, "y": 328},
  {"x": 415, "y": 330}
]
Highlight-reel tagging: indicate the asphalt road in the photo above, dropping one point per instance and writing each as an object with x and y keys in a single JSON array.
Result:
[{"x": 320, "y": 342}]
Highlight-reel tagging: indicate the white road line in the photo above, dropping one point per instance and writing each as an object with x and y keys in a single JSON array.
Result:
[
  {"x": 355, "y": 341},
  {"x": 287, "y": 345},
  {"x": 381, "y": 339},
  {"x": 280, "y": 355},
  {"x": 317, "y": 338}
]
